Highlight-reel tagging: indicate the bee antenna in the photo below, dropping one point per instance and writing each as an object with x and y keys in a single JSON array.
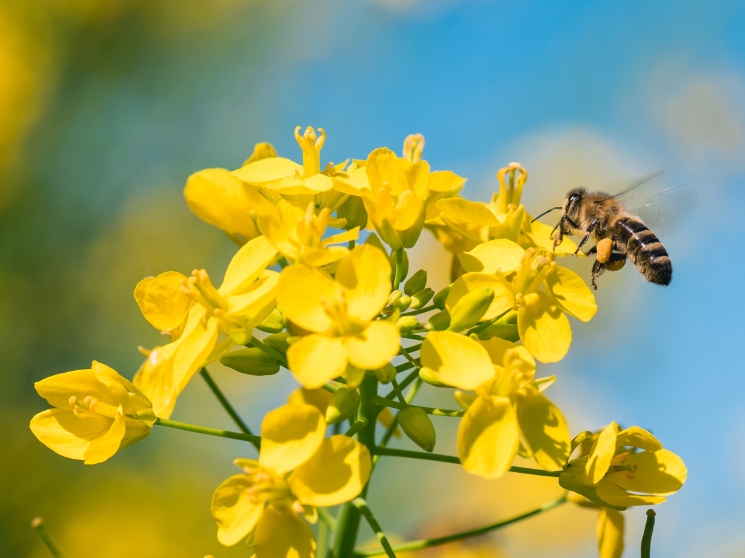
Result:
[{"x": 544, "y": 213}]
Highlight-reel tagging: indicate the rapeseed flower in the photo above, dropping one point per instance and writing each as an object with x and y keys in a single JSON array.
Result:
[
  {"x": 530, "y": 283},
  {"x": 297, "y": 471},
  {"x": 96, "y": 412},
  {"x": 508, "y": 407},
  {"x": 625, "y": 468},
  {"x": 340, "y": 316}
]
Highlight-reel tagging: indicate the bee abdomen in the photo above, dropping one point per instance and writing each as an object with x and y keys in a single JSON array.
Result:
[{"x": 646, "y": 251}]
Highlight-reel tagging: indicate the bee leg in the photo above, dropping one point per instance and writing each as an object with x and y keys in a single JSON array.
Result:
[
  {"x": 591, "y": 251},
  {"x": 590, "y": 228},
  {"x": 597, "y": 270}
]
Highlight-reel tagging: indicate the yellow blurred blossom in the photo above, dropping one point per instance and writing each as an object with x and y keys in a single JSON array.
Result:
[
  {"x": 508, "y": 406},
  {"x": 96, "y": 412},
  {"x": 340, "y": 313},
  {"x": 297, "y": 471}
]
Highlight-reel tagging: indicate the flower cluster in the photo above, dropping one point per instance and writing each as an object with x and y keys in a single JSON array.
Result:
[{"x": 320, "y": 286}]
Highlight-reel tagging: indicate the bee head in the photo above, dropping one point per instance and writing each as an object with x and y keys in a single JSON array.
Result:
[{"x": 573, "y": 202}]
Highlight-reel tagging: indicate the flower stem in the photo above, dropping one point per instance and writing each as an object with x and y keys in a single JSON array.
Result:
[
  {"x": 399, "y": 268},
  {"x": 400, "y": 395},
  {"x": 38, "y": 524},
  {"x": 647, "y": 536},
  {"x": 394, "y": 423},
  {"x": 226, "y": 404},
  {"x": 427, "y": 543},
  {"x": 358, "y": 425},
  {"x": 420, "y": 311},
  {"x": 361, "y": 505},
  {"x": 409, "y": 357},
  {"x": 429, "y": 410},
  {"x": 268, "y": 350},
  {"x": 453, "y": 459},
  {"x": 404, "y": 383},
  {"x": 256, "y": 440}
]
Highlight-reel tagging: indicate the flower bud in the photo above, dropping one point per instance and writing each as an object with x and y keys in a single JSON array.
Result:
[
  {"x": 469, "y": 309},
  {"x": 441, "y": 297},
  {"x": 418, "y": 427},
  {"x": 342, "y": 405},
  {"x": 439, "y": 321},
  {"x": 407, "y": 324},
  {"x": 402, "y": 304},
  {"x": 386, "y": 374},
  {"x": 420, "y": 299},
  {"x": 353, "y": 210},
  {"x": 404, "y": 270},
  {"x": 251, "y": 361},
  {"x": 394, "y": 296},
  {"x": 273, "y": 323},
  {"x": 278, "y": 341},
  {"x": 416, "y": 282}
]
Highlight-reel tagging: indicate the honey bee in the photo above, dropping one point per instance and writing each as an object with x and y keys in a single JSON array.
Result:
[{"x": 618, "y": 233}]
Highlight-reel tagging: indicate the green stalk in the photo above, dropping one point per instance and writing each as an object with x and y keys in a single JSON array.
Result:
[
  {"x": 226, "y": 404},
  {"x": 38, "y": 524},
  {"x": 399, "y": 268},
  {"x": 429, "y": 410},
  {"x": 268, "y": 350},
  {"x": 647, "y": 536},
  {"x": 348, "y": 520},
  {"x": 427, "y": 543},
  {"x": 256, "y": 440},
  {"x": 361, "y": 505},
  {"x": 453, "y": 459},
  {"x": 392, "y": 428}
]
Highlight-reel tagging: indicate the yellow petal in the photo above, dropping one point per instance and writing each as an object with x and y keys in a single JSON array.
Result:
[
  {"x": 336, "y": 473},
  {"x": 601, "y": 454},
  {"x": 445, "y": 181},
  {"x": 467, "y": 212},
  {"x": 105, "y": 446},
  {"x": 541, "y": 236},
  {"x": 257, "y": 298},
  {"x": 282, "y": 534},
  {"x": 610, "y": 528},
  {"x": 638, "y": 438},
  {"x": 232, "y": 508},
  {"x": 572, "y": 294},
  {"x": 290, "y": 435},
  {"x": 487, "y": 437},
  {"x": 496, "y": 255},
  {"x": 271, "y": 169},
  {"x": 247, "y": 265},
  {"x": 162, "y": 301},
  {"x": 456, "y": 360},
  {"x": 497, "y": 349},
  {"x": 58, "y": 389},
  {"x": 68, "y": 435},
  {"x": 194, "y": 346},
  {"x": 544, "y": 428},
  {"x": 365, "y": 275},
  {"x": 319, "y": 398},
  {"x": 375, "y": 346},
  {"x": 543, "y": 327},
  {"x": 155, "y": 379},
  {"x": 262, "y": 150},
  {"x": 225, "y": 202},
  {"x": 614, "y": 495},
  {"x": 302, "y": 306},
  {"x": 503, "y": 299},
  {"x": 316, "y": 359},
  {"x": 659, "y": 472}
]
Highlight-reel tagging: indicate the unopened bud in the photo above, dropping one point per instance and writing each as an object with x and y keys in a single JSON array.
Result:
[
  {"x": 386, "y": 374},
  {"x": 439, "y": 321},
  {"x": 402, "y": 304},
  {"x": 441, "y": 297},
  {"x": 273, "y": 323},
  {"x": 278, "y": 341},
  {"x": 394, "y": 296},
  {"x": 251, "y": 361},
  {"x": 353, "y": 210},
  {"x": 407, "y": 324},
  {"x": 469, "y": 309},
  {"x": 421, "y": 298},
  {"x": 404, "y": 270},
  {"x": 342, "y": 405},
  {"x": 418, "y": 427},
  {"x": 416, "y": 282}
]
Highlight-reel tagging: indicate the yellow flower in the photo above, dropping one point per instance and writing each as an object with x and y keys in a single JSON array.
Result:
[
  {"x": 244, "y": 299},
  {"x": 163, "y": 303},
  {"x": 508, "y": 406},
  {"x": 298, "y": 235},
  {"x": 297, "y": 471},
  {"x": 626, "y": 468},
  {"x": 340, "y": 314},
  {"x": 529, "y": 282},
  {"x": 609, "y": 528},
  {"x": 96, "y": 412}
]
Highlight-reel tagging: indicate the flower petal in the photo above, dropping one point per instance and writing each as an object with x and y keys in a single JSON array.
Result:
[
  {"x": 445, "y": 181},
  {"x": 365, "y": 275},
  {"x": 376, "y": 346},
  {"x": 162, "y": 301},
  {"x": 58, "y": 389},
  {"x": 614, "y": 495},
  {"x": 503, "y": 299},
  {"x": 601, "y": 454},
  {"x": 610, "y": 528},
  {"x": 268, "y": 170},
  {"x": 316, "y": 359},
  {"x": 318, "y": 397},
  {"x": 659, "y": 472},
  {"x": 257, "y": 298},
  {"x": 194, "y": 346},
  {"x": 496, "y": 255},
  {"x": 336, "y": 473},
  {"x": 282, "y": 534},
  {"x": 456, "y": 360},
  {"x": 638, "y": 438},
  {"x": 247, "y": 265},
  {"x": 303, "y": 306},
  {"x": 105, "y": 446},
  {"x": 290, "y": 435},
  {"x": 487, "y": 437},
  {"x": 543, "y": 327},
  {"x": 544, "y": 428},
  {"x": 572, "y": 293},
  {"x": 68, "y": 435},
  {"x": 467, "y": 212},
  {"x": 497, "y": 349},
  {"x": 232, "y": 508}
]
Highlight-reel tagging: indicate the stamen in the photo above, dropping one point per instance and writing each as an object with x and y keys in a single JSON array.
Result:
[
  {"x": 413, "y": 147},
  {"x": 297, "y": 507}
]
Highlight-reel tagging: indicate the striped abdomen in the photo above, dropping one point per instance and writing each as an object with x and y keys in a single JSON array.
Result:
[{"x": 644, "y": 249}]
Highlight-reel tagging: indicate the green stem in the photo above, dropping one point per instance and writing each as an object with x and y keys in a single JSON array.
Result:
[
  {"x": 429, "y": 410},
  {"x": 256, "y": 440},
  {"x": 392, "y": 428},
  {"x": 483, "y": 325},
  {"x": 226, "y": 404},
  {"x": 647, "y": 536},
  {"x": 452, "y": 459},
  {"x": 428, "y": 543},
  {"x": 326, "y": 518},
  {"x": 408, "y": 357},
  {"x": 268, "y": 350},
  {"x": 358, "y": 425},
  {"x": 420, "y": 311},
  {"x": 404, "y": 383},
  {"x": 348, "y": 521},
  {"x": 400, "y": 395},
  {"x": 38, "y": 524},
  {"x": 361, "y": 505},
  {"x": 399, "y": 268}
]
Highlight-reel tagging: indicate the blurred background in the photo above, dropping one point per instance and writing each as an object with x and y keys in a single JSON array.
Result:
[{"x": 106, "y": 106}]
